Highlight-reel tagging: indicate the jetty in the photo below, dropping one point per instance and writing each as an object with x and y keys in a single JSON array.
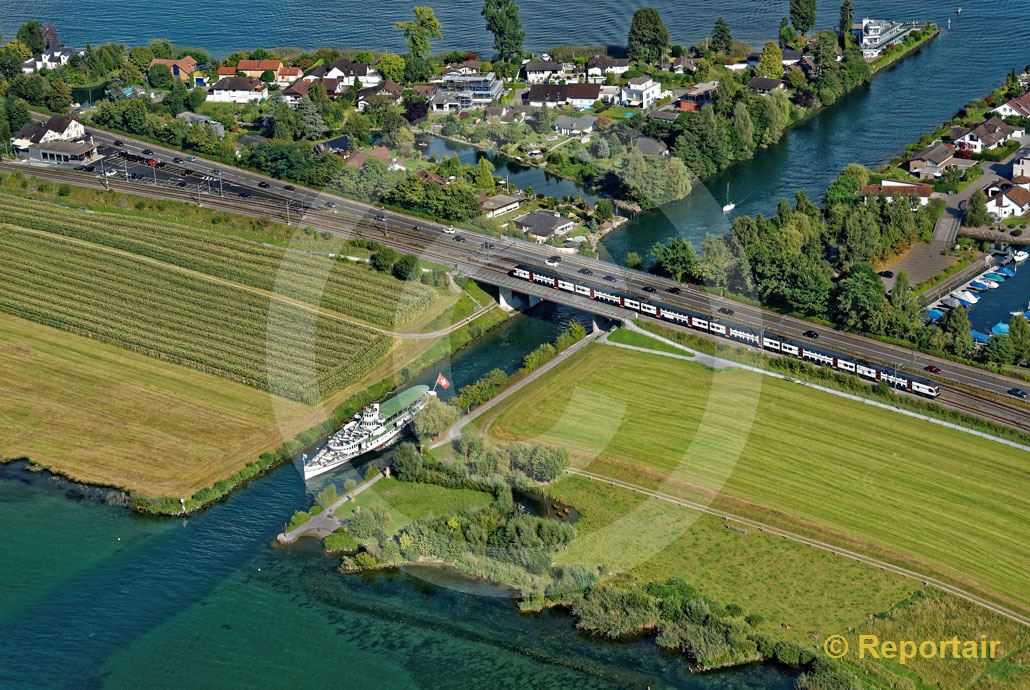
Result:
[{"x": 325, "y": 523}]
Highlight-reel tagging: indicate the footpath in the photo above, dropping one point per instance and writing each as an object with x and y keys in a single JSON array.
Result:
[{"x": 326, "y": 522}]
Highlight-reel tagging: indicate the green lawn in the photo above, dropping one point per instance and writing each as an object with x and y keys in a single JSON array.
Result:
[
  {"x": 933, "y": 499},
  {"x": 408, "y": 501},
  {"x": 628, "y": 337}
]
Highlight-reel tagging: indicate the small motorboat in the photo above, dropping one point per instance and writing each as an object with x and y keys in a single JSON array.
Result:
[
  {"x": 951, "y": 303},
  {"x": 729, "y": 206},
  {"x": 977, "y": 285},
  {"x": 966, "y": 296},
  {"x": 1021, "y": 256},
  {"x": 992, "y": 285},
  {"x": 1006, "y": 271},
  {"x": 996, "y": 277}
]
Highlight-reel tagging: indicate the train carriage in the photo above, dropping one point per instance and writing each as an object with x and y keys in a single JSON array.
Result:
[{"x": 730, "y": 331}]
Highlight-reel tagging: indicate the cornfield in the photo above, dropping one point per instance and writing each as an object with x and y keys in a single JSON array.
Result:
[
  {"x": 221, "y": 329},
  {"x": 350, "y": 289}
]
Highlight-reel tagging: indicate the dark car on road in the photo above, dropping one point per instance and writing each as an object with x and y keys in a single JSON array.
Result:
[
  {"x": 932, "y": 369},
  {"x": 245, "y": 195},
  {"x": 726, "y": 310},
  {"x": 673, "y": 290},
  {"x": 1019, "y": 393},
  {"x": 181, "y": 184},
  {"x": 177, "y": 160},
  {"x": 886, "y": 274},
  {"x": 148, "y": 152},
  {"x": 90, "y": 168},
  {"x": 586, "y": 271},
  {"x": 289, "y": 187},
  {"x": 648, "y": 288},
  {"x": 380, "y": 217},
  {"x": 610, "y": 279},
  {"x": 811, "y": 334},
  {"x": 489, "y": 245},
  {"x": 459, "y": 238},
  {"x": 330, "y": 204},
  {"x": 264, "y": 185}
]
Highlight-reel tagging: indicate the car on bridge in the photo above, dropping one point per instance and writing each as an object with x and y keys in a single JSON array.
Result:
[
  {"x": 553, "y": 261},
  {"x": 933, "y": 369},
  {"x": 811, "y": 334},
  {"x": 449, "y": 230},
  {"x": 1019, "y": 393}
]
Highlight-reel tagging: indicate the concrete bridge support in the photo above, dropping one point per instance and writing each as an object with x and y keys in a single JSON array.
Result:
[{"x": 510, "y": 301}]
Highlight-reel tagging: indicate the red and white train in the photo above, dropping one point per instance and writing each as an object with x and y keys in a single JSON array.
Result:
[{"x": 765, "y": 340}]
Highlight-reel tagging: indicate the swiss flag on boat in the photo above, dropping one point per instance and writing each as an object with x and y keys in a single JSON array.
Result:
[{"x": 442, "y": 382}]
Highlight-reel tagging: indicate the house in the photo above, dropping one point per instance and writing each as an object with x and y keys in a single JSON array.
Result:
[
  {"x": 288, "y": 75},
  {"x": 228, "y": 71},
  {"x": 340, "y": 145},
  {"x": 766, "y": 85},
  {"x": 49, "y": 59},
  {"x": 239, "y": 90},
  {"x": 917, "y": 193},
  {"x": 1021, "y": 164},
  {"x": 255, "y": 68},
  {"x": 498, "y": 205},
  {"x": 641, "y": 92},
  {"x": 875, "y": 35},
  {"x": 541, "y": 225},
  {"x": 467, "y": 91},
  {"x": 465, "y": 68},
  {"x": 986, "y": 136},
  {"x": 61, "y": 139},
  {"x": 388, "y": 91},
  {"x": 790, "y": 58},
  {"x": 348, "y": 73},
  {"x": 195, "y": 120},
  {"x": 358, "y": 158},
  {"x": 1011, "y": 202},
  {"x": 1017, "y": 107},
  {"x": 578, "y": 96},
  {"x": 574, "y": 126},
  {"x": 432, "y": 177},
  {"x": 599, "y": 66},
  {"x": 541, "y": 71},
  {"x": 296, "y": 91},
  {"x": 932, "y": 161},
  {"x": 651, "y": 147},
  {"x": 697, "y": 96},
  {"x": 182, "y": 69},
  {"x": 582, "y": 96},
  {"x": 682, "y": 65}
]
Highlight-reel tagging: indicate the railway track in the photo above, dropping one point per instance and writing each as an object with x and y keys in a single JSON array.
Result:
[{"x": 354, "y": 220}]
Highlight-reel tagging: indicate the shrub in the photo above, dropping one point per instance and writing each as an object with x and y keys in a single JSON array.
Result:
[
  {"x": 64, "y": 190},
  {"x": 367, "y": 523},
  {"x": 371, "y": 473},
  {"x": 326, "y": 497},
  {"x": 340, "y": 541}
]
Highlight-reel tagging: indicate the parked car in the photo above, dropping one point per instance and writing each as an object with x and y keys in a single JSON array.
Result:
[
  {"x": 886, "y": 274},
  {"x": 181, "y": 184},
  {"x": 726, "y": 310},
  {"x": 1019, "y": 393},
  {"x": 553, "y": 261},
  {"x": 90, "y": 168},
  {"x": 932, "y": 369},
  {"x": 812, "y": 334}
]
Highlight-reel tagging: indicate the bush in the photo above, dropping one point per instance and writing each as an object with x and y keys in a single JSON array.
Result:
[
  {"x": 371, "y": 473},
  {"x": 340, "y": 541},
  {"x": 326, "y": 497},
  {"x": 368, "y": 523},
  {"x": 408, "y": 462},
  {"x": 64, "y": 190}
]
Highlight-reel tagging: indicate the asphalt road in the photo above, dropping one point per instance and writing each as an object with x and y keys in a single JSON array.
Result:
[{"x": 491, "y": 258}]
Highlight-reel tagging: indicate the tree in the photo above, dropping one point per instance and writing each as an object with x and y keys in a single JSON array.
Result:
[
  {"x": 1019, "y": 332},
  {"x": 744, "y": 130},
  {"x": 847, "y": 16},
  {"x": 383, "y": 259},
  {"x": 648, "y": 38},
  {"x": 502, "y": 19},
  {"x": 268, "y": 76},
  {"x": 999, "y": 349},
  {"x": 10, "y": 63},
  {"x": 404, "y": 142},
  {"x": 604, "y": 210},
  {"x": 722, "y": 39},
  {"x": 976, "y": 211},
  {"x": 434, "y": 418},
  {"x": 160, "y": 76},
  {"x": 31, "y": 34},
  {"x": 786, "y": 35},
  {"x": 140, "y": 57},
  {"x": 956, "y": 324},
  {"x": 677, "y": 259},
  {"x": 419, "y": 32},
  {"x": 544, "y": 121},
  {"x": 407, "y": 267},
  {"x": 802, "y": 15},
  {"x": 310, "y": 124},
  {"x": 407, "y": 461},
  {"x": 391, "y": 66},
  {"x": 633, "y": 260},
  {"x": 58, "y": 96},
  {"x": 860, "y": 302},
  {"x": 484, "y": 178},
  {"x": 196, "y": 99},
  {"x": 770, "y": 63}
]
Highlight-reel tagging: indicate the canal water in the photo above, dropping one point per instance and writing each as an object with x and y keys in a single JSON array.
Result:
[{"x": 96, "y": 596}]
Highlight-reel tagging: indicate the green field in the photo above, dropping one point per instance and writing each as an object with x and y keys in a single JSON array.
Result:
[
  {"x": 105, "y": 415},
  {"x": 355, "y": 290},
  {"x": 205, "y": 324},
  {"x": 408, "y": 501},
  {"x": 936, "y": 500},
  {"x": 628, "y": 337}
]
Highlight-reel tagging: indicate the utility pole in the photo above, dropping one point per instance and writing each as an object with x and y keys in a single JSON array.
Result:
[
  {"x": 287, "y": 211},
  {"x": 221, "y": 189},
  {"x": 103, "y": 173}
]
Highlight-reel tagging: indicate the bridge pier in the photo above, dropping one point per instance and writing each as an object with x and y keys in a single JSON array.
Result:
[{"x": 510, "y": 301}]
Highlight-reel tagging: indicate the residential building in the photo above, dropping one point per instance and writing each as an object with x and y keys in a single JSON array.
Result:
[
  {"x": 388, "y": 90},
  {"x": 465, "y": 68},
  {"x": 430, "y": 176},
  {"x": 499, "y": 204},
  {"x": 339, "y": 145},
  {"x": 181, "y": 69},
  {"x": 574, "y": 126},
  {"x": 61, "y": 139},
  {"x": 541, "y": 225},
  {"x": 467, "y": 91},
  {"x": 985, "y": 137},
  {"x": 578, "y": 96},
  {"x": 641, "y": 92},
  {"x": 540, "y": 71},
  {"x": 255, "y": 68},
  {"x": 599, "y": 66},
  {"x": 790, "y": 58},
  {"x": 348, "y": 73},
  {"x": 380, "y": 153},
  {"x": 296, "y": 91},
  {"x": 1021, "y": 164},
  {"x": 875, "y": 35},
  {"x": 49, "y": 59},
  {"x": 239, "y": 90},
  {"x": 682, "y": 65},
  {"x": 227, "y": 71},
  {"x": 288, "y": 75},
  {"x": 651, "y": 147},
  {"x": 1017, "y": 107},
  {"x": 918, "y": 194},
  {"x": 195, "y": 120},
  {"x": 1009, "y": 202},
  {"x": 698, "y": 95},
  {"x": 766, "y": 84}
]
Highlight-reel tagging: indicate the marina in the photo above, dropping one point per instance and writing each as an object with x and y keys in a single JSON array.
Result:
[{"x": 991, "y": 299}]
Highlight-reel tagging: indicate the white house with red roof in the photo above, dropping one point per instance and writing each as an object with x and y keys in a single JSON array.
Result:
[{"x": 1017, "y": 107}]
